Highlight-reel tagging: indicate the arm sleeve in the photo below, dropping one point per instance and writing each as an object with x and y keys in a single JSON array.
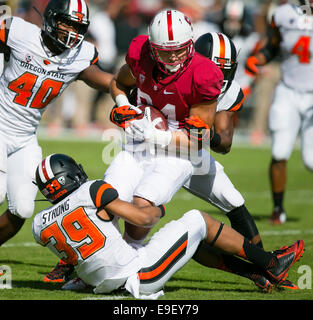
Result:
[{"x": 102, "y": 193}]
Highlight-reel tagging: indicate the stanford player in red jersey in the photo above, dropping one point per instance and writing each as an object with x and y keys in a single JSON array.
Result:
[{"x": 182, "y": 84}]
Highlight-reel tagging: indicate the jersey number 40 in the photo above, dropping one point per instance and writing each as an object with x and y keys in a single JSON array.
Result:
[
  {"x": 24, "y": 85},
  {"x": 302, "y": 49}
]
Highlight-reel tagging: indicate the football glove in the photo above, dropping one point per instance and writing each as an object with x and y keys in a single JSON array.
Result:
[
  {"x": 197, "y": 130},
  {"x": 251, "y": 67},
  {"x": 145, "y": 128},
  {"x": 121, "y": 116}
]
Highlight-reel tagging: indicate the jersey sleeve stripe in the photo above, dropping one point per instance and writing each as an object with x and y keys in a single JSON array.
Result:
[
  {"x": 238, "y": 103},
  {"x": 100, "y": 193},
  {"x": 4, "y": 30},
  {"x": 161, "y": 267},
  {"x": 95, "y": 58}
]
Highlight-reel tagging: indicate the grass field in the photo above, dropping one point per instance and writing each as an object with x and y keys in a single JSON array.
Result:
[{"x": 248, "y": 169}]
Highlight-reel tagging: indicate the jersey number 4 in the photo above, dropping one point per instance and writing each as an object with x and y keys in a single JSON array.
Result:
[
  {"x": 77, "y": 227},
  {"x": 23, "y": 87},
  {"x": 302, "y": 49}
]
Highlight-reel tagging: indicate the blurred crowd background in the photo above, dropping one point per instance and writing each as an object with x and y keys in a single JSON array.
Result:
[{"x": 114, "y": 23}]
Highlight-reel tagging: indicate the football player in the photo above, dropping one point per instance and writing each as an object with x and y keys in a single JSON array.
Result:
[
  {"x": 214, "y": 186},
  {"x": 42, "y": 63},
  {"x": 291, "y": 111},
  {"x": 81, "y": 228},
  {"x": 182, "y": 84}
]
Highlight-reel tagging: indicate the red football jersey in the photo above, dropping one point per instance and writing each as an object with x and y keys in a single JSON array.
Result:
[{"x": 175, "y": 94}]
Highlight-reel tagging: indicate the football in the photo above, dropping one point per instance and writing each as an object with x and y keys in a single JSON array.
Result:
[{"x": 155, "y": 113}]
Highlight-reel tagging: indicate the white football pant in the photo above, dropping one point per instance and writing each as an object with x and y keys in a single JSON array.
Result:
[
  {"x": 168, "y": 250},
  {"x": 156, "y": 179},
  {"x": 291, "y": 113},
  {"x": 18, "y": 162},
  {"x": 216, "y": 188}
]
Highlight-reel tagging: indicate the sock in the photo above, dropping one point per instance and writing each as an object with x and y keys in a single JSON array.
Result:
[
  {"x": 242, "y": 222},
  {"x": 239, "y": 267},
  {"x": 253, "y": 253},
  {"x": 278, "y": 198}
]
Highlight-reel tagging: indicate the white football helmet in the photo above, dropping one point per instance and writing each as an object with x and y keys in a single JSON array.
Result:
[{"x": 171, "y": 30}]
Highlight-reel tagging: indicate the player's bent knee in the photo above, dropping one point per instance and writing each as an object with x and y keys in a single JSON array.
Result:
[
  {"x": 232, "y": 200},
  {"x": 308, "y": 163},
  {"x": 2, "y": 196},
  {"x": 24, "y": 211},
  {"x": 194, "y": 219}
]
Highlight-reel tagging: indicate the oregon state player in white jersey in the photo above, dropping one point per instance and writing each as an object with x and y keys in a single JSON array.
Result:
[
  {"x": 41, "y": 65},
  {"x": 291, "y": 111},
  {"x": 82, "y": 229}
]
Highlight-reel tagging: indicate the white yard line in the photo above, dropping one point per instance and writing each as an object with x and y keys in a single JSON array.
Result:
[
  {"x": 285, "y": 232},
  {"x": 106, "y": 298},
  {"x": 20, "y": 244}
]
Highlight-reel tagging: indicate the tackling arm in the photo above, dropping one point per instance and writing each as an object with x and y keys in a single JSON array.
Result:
[
  {"x": 224, "y": 127},
  {"x": 121, "y": 85},
  {"x": 197, "y": 126},
  {"x": 94, "y": 77},
  {"x": 144, "y": 216}
]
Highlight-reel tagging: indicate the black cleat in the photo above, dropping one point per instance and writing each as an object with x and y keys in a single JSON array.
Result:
[{"x": 285, "y": 258}]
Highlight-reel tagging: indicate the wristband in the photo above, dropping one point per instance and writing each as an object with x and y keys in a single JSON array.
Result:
[
  {"x": 162, "y": 208},
  {"x": 121, "y": 100},
  {"x": 215, "y": 140}
]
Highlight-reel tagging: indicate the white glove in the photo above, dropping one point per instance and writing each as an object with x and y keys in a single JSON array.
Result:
[
  {"x": 145, "y": 128},
  {"x": 133, "y": 133}
]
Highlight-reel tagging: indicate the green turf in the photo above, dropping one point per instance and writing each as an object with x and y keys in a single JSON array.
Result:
[{"x": 248, "y": 170}]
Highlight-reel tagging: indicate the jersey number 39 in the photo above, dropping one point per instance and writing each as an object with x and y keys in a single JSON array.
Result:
[{"x": 78, "y": 228}]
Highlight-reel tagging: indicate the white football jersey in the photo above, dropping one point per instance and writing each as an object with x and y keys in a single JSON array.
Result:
[
  {"x": 296, "y": 30},
  {"x": 72, "y": 230},
  {"x": 33, "y": 77},
  {"x": 232, "y": 99}
]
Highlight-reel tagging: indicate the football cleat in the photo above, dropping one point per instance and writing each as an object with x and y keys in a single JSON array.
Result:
[
  {"x": 263, "y": 284},
  {"x": 285, "y": 258},
  {"x": 75, "y": 284},
  {"x": 287, "y": 284},
  {"x": 278, "y": 217},
  {"x": 60, "y": 272}
]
